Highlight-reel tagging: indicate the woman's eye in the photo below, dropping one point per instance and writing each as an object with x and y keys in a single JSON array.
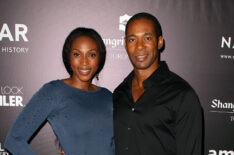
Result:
[
  {"x": 76, "y": 54},
  {"x": 92, "y": 55}
]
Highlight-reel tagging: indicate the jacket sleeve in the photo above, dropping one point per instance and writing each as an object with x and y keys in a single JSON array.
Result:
[
  {"x": 29, "y": 120},
  {"x": 189, "y": 125}
]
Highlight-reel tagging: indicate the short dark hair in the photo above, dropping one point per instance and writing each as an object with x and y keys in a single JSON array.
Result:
[
  {"x": 78, "y": 32},
  {"x": 144, "y": 15}
]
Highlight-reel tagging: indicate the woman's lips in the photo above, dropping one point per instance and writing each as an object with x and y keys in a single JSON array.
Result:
[{"x": 84, "y": 71}]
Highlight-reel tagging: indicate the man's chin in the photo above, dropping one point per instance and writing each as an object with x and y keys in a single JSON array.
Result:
[{"x": 141, "y": 66}]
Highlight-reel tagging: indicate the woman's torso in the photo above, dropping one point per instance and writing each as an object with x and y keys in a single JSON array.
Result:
[{"x": 82, "y": 120}]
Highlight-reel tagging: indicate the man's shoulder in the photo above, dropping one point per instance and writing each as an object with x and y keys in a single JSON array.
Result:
[
  {"x": 177, "y": 87},
  {"x": 121, "y": 87},
  {"x": 177, "y": 81}
]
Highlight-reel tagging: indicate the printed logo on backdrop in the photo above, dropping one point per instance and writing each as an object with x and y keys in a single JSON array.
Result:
[
  {"x": 123, "y": 21},
  {"x": 2, "y": 150},
  {"x": 11, "y": 34},
  {"x": 221, "y": 152},
  {"x": 222, "y": 107},
  {"x": 227, "y": 46},
  {"x": 11, "y": 96},
  {"x": 116, "y": 45}
]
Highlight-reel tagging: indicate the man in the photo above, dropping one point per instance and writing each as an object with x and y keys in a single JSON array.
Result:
[{"x": 155, "y": 111}]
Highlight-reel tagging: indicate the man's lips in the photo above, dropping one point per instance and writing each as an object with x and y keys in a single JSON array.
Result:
[{"x": 141, "y": 57}]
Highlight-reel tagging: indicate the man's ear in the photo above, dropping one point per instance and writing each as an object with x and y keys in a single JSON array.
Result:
[
  {"x": 160, "y": 42},
  {"x": 125, "y": 43}
]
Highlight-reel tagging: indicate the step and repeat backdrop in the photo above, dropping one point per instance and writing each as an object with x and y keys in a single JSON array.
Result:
[{"x": 199, "y": 46}]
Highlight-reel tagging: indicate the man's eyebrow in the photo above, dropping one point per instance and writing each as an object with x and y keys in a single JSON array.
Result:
[
  {"x": 134, "y": 35},
  {"x": 131, "y": 35},
  {"x": 148, "y": 34}
]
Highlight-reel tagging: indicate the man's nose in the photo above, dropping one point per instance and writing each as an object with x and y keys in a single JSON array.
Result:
[{"x": 140, "y": 44}]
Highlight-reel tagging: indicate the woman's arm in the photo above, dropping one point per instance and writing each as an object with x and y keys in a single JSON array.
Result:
[{"x": 29, "y": 120}]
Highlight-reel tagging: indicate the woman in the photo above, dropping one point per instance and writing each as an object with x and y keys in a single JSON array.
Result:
[{"x": 79, "y": 112}]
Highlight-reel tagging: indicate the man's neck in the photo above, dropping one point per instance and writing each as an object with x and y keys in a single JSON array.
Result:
[{"x": 141, "y": 75}]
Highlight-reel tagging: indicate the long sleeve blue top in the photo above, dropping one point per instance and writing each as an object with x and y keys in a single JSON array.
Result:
[{"x": 81, "y": 119}]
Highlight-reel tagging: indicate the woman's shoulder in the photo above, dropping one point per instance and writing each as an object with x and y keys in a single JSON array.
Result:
[
  {"x": 105, "y": 90},
  {"x": 51, "y": 87},
  {"x": 105, "y": 94},
  {"x": 51, "y": 84}
]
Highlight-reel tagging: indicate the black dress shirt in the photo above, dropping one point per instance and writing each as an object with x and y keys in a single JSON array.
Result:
[{"x": 165, "y": 120}]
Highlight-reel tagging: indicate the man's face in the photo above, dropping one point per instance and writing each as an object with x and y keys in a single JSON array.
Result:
[{"x": 142, "y": 45}]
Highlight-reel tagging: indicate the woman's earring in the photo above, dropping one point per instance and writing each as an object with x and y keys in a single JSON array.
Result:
[{"x": 97, "y": 77}]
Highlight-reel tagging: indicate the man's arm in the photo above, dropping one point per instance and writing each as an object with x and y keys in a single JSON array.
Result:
[{"x": 189, "y": 125}]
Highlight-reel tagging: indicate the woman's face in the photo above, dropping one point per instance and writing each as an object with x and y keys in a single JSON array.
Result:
[{"x": 84, "y": 58}]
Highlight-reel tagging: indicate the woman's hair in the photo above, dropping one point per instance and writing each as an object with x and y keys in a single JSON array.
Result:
[
  {"x": 56, "y": 141},
  {"x": 78, "y": 32}
]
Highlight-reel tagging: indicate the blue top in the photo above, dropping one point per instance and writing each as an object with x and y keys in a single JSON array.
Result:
[{"x": 81, "y": 119}]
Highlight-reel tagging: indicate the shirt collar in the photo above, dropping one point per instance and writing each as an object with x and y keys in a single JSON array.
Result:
[{"x": 155, "y": 78}]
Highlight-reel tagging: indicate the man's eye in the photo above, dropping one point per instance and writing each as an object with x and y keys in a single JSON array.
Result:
[
  {"x": 148, "y": 38},
  {"x": 131, "y": 40}
]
